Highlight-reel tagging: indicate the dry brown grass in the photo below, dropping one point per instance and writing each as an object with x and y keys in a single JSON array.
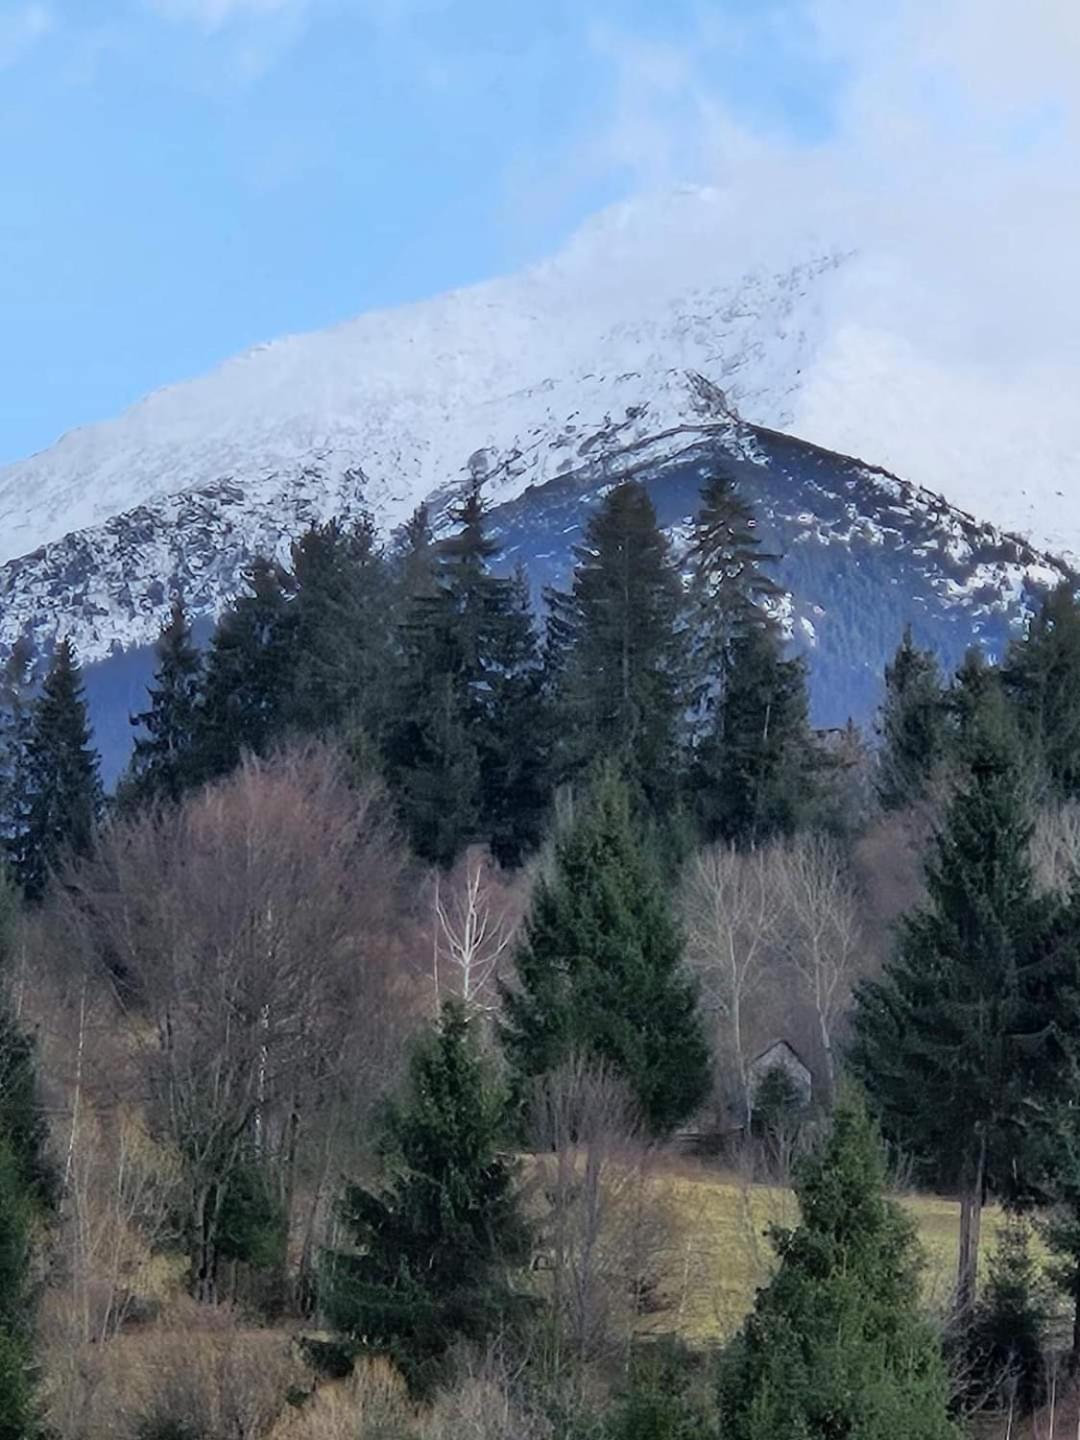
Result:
[{"x": 197, "y": 1366}]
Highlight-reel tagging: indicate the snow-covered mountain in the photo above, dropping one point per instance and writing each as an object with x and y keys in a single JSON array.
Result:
[{"x": 644, "y": 347}]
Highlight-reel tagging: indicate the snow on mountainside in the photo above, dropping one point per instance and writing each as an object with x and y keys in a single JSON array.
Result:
[{"x": 636, "y": 343}]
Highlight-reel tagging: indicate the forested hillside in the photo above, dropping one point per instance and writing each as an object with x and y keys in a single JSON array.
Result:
[{"x": 355, "y": 1054}]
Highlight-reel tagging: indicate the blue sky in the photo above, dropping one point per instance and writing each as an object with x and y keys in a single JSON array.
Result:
[{"x": 182, "y": 178}]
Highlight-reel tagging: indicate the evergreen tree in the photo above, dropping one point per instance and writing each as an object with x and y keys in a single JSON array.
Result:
[
  {"x": 616, "y": 649},
  {"x": 975, "y": 687},
  {"x": 727, "y": 587},
  {"x": 952, "y": 1040},
  {"x": 15, "y": 710},
  {"x": 249, "y": 673},
  {"x": 27, "y": 1191},
  {"x": 465, "y": 745},
  {"x": 835, "y": 1345},
  {"x": 912, "y": 725},
  {"x": 514, "y": 735},
  {"x": 338, "y": 630},
  {"x": 1005, "y": 1345},
  {"x": 755, "y": 772},
  {"x": 63, "y": 801},
  {"x": 436, "y": 1246},
  {"x": 163, "y": 765},
  {"x": 18, "y": 1408},
  {"x": 599, "y": 970},
  {"x": 1042, "y": 678}
]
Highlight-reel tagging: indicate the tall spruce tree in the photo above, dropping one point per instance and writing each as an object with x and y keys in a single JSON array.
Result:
[
  {"x": 952, "y": 1041},
  {"x": 19, "y": 1411},
  {"x": 465, "y": 742},
  {"x": 16, "y": 704},
  {"x": 728, "y": 588},
  {"x": 436, "y": 1246},
  {"x": 164, "y": 763},
  {"x": 28, "y": 1192},
  {"x": 599, "y": 969},
  {"x": 912, "y": 725},
  {"x": 835, "y": 1345},
  {"x": 617, "y": 652},
  {"x": 755, "y": 773},
  {"x": 338, "y": 632},
  {"x": 1042, "y": 677},
  {"x": 249, "y": 673},
  {"x": 63, "y": 798},
  {"x": 515, "y": 733}
]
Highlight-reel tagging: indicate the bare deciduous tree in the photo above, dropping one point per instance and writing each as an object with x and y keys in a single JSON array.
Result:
[
  {"x": 818, "y": 932},
  {"x": 604, "y": 1222},
  {"x": 476, "y": 918},
  {"x": 240, "y": 936},
  {"x": 1055, "y": 848},
  {"x": 729, "y": 909}
]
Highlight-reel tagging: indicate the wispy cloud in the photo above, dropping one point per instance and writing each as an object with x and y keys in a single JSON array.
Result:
[
  {"x": 22, "y": 28},
  {"x": 948, "y": 164}
]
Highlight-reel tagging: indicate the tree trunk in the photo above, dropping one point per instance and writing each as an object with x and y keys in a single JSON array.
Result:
[
  {"x": 973, "y": 1180},
  {"x": 1074, "y": 1356}
]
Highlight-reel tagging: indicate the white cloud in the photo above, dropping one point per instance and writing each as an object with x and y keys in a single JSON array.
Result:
[
  {"x": 952, "y": 166},
  {"x": 22, "y": 28}
]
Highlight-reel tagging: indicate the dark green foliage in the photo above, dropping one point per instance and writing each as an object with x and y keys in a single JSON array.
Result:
[
  {"x": 661, "y": 1401},
  {"x": 465, "y": 740},
  {"x": 778, "y": 1106},
  {"x": 1006, "y": 1342},
  {"x": 63, "y": 798},
  {"x": 18, "y": 1410},
  {"x": 835, "y": 1346},
  {"x": 249, "y": 673},
  {"x": 727, "y": 586},
  {"x": 756, "y": 770},
  {"x": 616, "y": 653},
  {"x": 950, "y": 1042},
  {"x": 1042, "y": 678},
  {"x": 514, "y": 738},
  {"x": 252, "y": 1222},
  {"x": 975, "y": 692},
  {"x": 164, "y": 762},
  {"x": 599, "y": 970},
  {"x": 912, "y": 725},
  {"x": 338, "y": 629},
  {"x": 435, "y": 1246},
  {"x": 15, "y": 711}
]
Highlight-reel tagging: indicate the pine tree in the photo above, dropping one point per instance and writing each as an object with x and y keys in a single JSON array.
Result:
[
  {"x": 912, "y": 725},
  {"x": 27, "y": 1191},
  {"x": 755, "y": 772},
  {"x": 15, "y": 710},
  {"x": 164, "y": 762},
  {"x": 249, "y": 673},
  {"x": 728, "y": 589},
  {"x": 514, "y": 735},
  {"x": 465, "y": 745},
  {"x": 338, "y": 629},
  {"x": 599, "y": 970},
  {"x": 835, "y": 1345},
  {"x": 63, "y": 791},
  {"x": 951, "y": 1042},
  {"x": 437, "y": 1245},
  {"x": 976, "y": 686},
  {"x": 18, "y": 1408},
  {"x": 617, "y": 652},
  {"x": 1005, "y": 1345},
  {"x": 1042, "y": 678}
]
